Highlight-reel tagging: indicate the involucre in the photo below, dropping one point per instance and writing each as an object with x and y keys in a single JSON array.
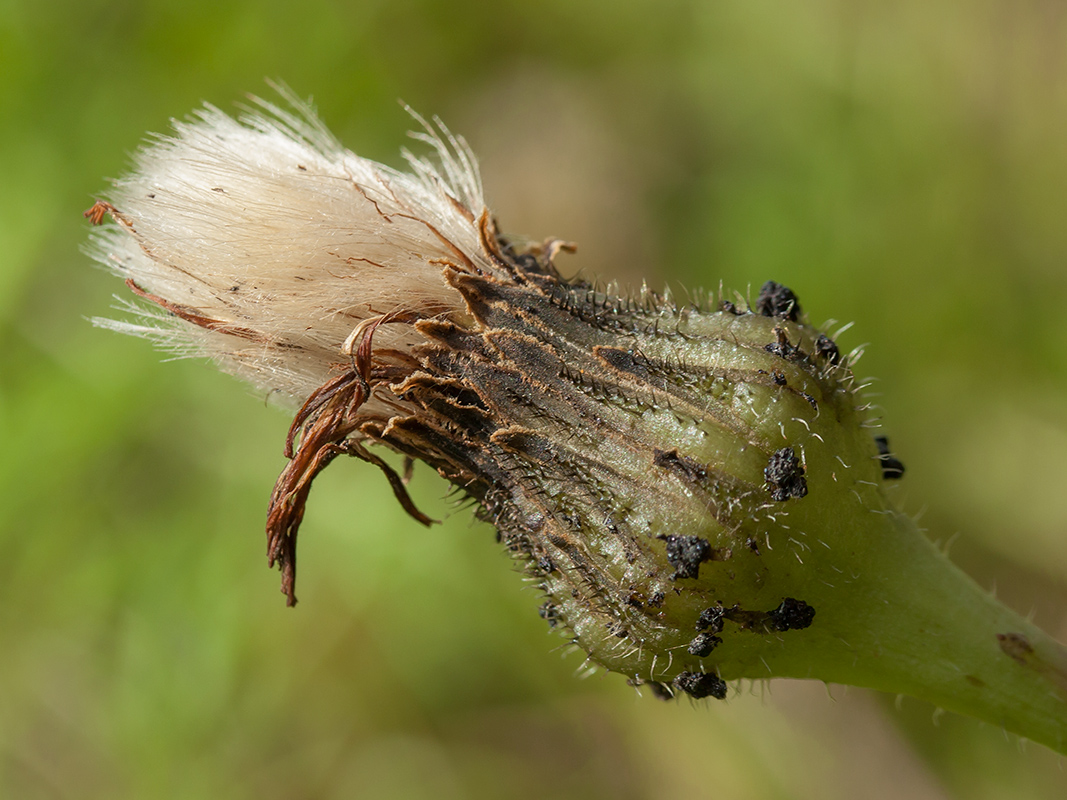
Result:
[{"x": 698, "y": 490}]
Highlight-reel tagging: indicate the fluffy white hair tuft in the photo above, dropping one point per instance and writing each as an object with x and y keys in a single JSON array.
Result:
[{"x": 262, "y": 243}]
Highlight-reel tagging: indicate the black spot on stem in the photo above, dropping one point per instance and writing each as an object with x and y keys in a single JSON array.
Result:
[
  {"x": 825, "y": 347},
  {"x": 785, "y": 476},
  {"x": 892, "y": 467},
  {"x": 710, "y": 619},
  {"x": 778, "y": 301},
  {"x": 701, "y": 684},
  {"x": 703, "y": 644},
  {"x": 686, "y": 554},
  {"x": 549, "y": 612},
  {"x": 791, "y": 615}
]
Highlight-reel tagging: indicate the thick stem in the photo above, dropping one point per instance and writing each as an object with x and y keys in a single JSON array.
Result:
[{"x": 913, "y": 623}]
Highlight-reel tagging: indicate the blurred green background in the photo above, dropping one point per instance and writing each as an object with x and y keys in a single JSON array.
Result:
[{"x": 901, "y": 165}]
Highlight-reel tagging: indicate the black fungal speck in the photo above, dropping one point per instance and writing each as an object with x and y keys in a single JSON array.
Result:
[
  {"x": 701, "y": 684},
  {"x": 659, "y": 691},
  {"x": 778, "y": 377},
  {"x": 686, "y": 554},
  {"x": 703, "y": 644},
  {"x": 1017, "y": 646},
  {"x": 827, "y": 348},
  {"x": 791, "y": 615},
  {"x": 728, "y": 308},
  {"x": 549, "y": 612},
  {"x": 892, "y": 467},
  {"x": 684, "y": 467},
  {"x": 778, "y": 301},
  {"x": 785, "y": 476},
  {"x": 710, "y": 619},
  {"x": 783, "y": 348}
]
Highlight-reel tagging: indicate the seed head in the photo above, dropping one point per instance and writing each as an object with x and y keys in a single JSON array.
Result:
[
  {"x": 695, "y": 490},
  {"x": 633, "y": 454}
]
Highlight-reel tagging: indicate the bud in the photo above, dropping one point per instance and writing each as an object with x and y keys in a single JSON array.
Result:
[{"x": 698, "y": 491}]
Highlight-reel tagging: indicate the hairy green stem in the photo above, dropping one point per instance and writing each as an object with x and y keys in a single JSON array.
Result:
[{"x": 913, "y": 623}]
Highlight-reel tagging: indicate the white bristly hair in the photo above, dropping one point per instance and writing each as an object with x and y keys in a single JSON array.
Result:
[{"x": 262, "y": 243}]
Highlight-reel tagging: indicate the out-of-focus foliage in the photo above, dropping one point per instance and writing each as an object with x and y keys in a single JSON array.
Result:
[{"x": 901, "y": 165}]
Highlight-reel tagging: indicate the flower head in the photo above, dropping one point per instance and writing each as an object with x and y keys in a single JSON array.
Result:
[{"x": 696, "y": 490}]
